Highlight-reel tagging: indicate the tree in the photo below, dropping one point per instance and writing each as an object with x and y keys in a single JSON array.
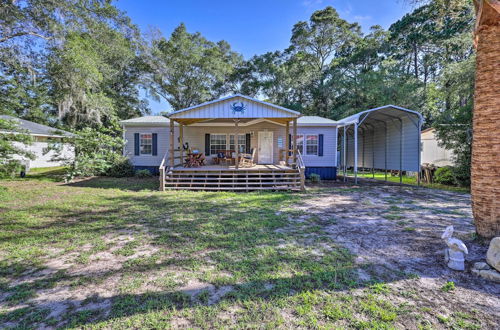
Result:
[
  {"x": 486, "y": 130},
  {"x": 13, "y": 142},
  {"x": 95, "y": 77},
  {"x": 314, "y": 45},
  {"x": 187, "y": 69}
]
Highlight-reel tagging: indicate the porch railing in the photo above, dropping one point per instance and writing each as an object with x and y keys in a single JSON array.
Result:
[
  {"x": 165, "y": 166},
  {"x": 302, "y": 170}
]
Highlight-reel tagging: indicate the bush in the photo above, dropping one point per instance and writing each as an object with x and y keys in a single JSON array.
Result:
[
  {"x": 445, "y": 175},
  {"x": 315, "y": 178},
  {"x": 121, "y": 168},
  {"x": 143, "y": 174}
]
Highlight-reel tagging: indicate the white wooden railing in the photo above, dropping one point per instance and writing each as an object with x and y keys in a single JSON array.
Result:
[
  {"x": 302, "y": 170},
  {"x": 165, "y": 167}
]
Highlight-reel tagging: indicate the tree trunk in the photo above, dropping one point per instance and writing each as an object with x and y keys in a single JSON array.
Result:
[{"x": 485, "y": 171}]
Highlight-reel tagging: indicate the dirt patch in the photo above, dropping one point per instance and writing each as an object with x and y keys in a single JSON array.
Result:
[{"x": 395, "y": 234}]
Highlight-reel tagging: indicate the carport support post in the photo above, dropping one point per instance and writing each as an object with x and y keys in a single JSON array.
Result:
[
  {"x": 344, "y": 162},
  {"x": 373, "y": 153},
  {"x": 385, "y": 151},
  {"x": 401, "y": 152},
  {"x": 356, "y": 153},
  {"x": 171, "y": 143},
  {"x": 419, "y": 127}
]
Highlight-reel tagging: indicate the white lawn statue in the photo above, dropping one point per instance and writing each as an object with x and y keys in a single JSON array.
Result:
[{"x": 454, "y": 255}]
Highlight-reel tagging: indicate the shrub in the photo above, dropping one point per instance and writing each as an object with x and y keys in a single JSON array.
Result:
[
  {"x": 143, "y": 174},
  {"x": 121, "y": 168},
  {"x": 315, "y": 178},
  {"x": 445, "y": 175}
]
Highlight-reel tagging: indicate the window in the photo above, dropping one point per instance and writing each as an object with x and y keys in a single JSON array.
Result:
[
  {"x": 300, "y": 144},
  {"x": 146, "y": 143},
  {"x": 312, "y": 145},
  {"x": 241, "y": 143},
  {"x": 217, "y": 142}
]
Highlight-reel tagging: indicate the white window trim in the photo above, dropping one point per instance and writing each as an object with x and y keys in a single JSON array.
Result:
[
  {"x": 305, "y": 144},
  {"x": 228, "y": 140},
  {"x": 140, "y": 144}
]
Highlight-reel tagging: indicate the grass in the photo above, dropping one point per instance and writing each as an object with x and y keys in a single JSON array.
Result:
[
  {"x": 410, "y": 180},
  {"x": 175, "y": 259}
]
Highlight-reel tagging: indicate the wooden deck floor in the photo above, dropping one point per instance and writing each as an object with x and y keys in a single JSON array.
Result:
[{"x": 218, "y": 168}]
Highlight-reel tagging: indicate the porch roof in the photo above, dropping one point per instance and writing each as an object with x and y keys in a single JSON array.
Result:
[{"x": 234, "y": 107}]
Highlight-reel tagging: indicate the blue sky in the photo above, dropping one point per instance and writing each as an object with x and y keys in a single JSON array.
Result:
[{"x": 252, "y": 27}]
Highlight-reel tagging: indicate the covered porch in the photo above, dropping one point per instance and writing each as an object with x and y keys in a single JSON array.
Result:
[{"x": 226, "y": 144}]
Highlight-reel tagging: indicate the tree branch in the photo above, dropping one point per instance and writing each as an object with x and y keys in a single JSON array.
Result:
[{"x": 24, "y": 33}]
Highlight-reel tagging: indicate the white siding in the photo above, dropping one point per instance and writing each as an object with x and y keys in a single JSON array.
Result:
[
  {"x": 223, "y": 109},
  {"x": 432, "y": 153},
  {"x": 195, "y": 136},
  {"x": 46, "y": 159},
  {"x": 329, "y": 157},
  {"x": 147, "y": 160}
]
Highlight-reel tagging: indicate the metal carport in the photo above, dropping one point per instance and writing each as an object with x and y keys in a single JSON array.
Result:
[{"x": 383, "y": 138}]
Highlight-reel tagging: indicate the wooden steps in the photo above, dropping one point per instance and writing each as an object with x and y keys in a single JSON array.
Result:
[{"x": 238, "y": 180}]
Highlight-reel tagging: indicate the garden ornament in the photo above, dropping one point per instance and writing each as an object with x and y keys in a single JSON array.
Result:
[{"x": 454, "y": 255}]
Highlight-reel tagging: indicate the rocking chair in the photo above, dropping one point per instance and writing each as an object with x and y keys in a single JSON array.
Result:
[{"x": 247, "y": 160}]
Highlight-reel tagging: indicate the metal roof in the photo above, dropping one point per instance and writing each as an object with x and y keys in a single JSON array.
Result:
[
  {"x": 234, "y": 96},
  {"x": 383, "y": 113},
  {"x": 154, "y": 120},
  {"x": 315, "y": 121},
  {"x": 38, "y": 129}
]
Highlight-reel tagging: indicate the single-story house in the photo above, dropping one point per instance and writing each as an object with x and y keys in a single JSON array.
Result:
[
  {"x": 237, "y": 143},
  {"x": 432, "y": 152},
  {"x": 43, "y": 136}
]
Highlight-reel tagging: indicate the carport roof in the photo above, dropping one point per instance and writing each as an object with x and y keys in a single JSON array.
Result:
[{"x": 383, "y": 113}]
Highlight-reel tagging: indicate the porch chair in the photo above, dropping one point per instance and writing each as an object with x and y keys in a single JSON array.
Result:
[{"x": 247, "y": 160}]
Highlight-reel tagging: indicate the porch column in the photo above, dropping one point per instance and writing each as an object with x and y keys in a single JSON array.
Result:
[
  {"x": 181, "y": 142},
  {"x": 171, "y": 143},
  {"x": 295, "y": 141},
  {"x": 287, "y": 142},
  {"x": 237, "y": 156}
]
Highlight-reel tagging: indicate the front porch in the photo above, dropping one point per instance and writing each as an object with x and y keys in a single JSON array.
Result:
[
  {"x": 220, "y": 177},
  {"x": 234, "y": 143}
]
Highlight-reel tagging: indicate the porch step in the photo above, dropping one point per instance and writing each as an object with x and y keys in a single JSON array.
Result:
[{"x": 282, "y": 179}]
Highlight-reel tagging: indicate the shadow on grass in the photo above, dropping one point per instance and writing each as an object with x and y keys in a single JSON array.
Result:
[
  {"x": 128, "y": 183},
  {"x": 239, "y": 231}
]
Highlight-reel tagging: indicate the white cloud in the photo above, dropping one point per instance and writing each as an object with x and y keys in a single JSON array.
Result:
[{"x": 309, "y": 3}]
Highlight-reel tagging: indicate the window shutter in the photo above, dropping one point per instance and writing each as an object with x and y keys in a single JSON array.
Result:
[
  {"x": 320, "y": 145},
  {"x": 289, "y": 144},
  {"x": 136, "y": 144},
  {"x": 155, "y": 144},
  {"x": 247, "y": 143},
  {"x": 207, "y": 144}
]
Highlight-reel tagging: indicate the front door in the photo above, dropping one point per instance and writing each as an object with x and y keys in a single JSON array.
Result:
[{"x": 265, "y": 147}]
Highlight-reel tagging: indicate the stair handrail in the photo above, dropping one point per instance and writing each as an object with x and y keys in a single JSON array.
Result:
[
  {"x": 163, "y": 166},
  {"x": 302, "y": 170}
]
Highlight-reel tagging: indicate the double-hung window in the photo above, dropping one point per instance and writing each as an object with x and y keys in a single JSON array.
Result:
[
  {"x": 217, "y": 142},
  {"x": 312, "y": 145},
  {"x": 241, "y": 143},
  {"x": 146, "y": 143}
]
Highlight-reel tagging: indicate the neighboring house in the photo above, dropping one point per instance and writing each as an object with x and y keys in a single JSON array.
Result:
[
  {"x": 43, "y": 136},
  {"x": 237, "y": 125},
  {"x": 431, "y": 152}
]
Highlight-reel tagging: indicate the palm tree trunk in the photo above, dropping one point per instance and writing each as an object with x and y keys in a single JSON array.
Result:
[{"x": 485, "y": 170}]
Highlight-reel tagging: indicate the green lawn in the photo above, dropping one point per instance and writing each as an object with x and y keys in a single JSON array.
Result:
[
  {"x": 411, "y": 180},
  {"x": 116, "y": 253}
]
